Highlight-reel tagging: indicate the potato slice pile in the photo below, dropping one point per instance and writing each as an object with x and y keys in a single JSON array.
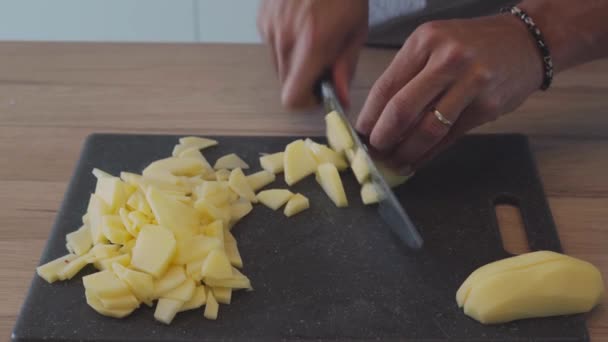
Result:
[{"x": 165, "y": 236}]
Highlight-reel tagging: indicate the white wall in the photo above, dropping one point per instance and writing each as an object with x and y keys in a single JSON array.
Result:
[{"x": 129, "y": 20}]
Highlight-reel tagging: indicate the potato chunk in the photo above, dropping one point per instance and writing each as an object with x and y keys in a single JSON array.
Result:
[
  {"x": 260, "y": 179},
  {"x": 114, "y": 230},
  {"x": 211, "y": 307},
  {"x": 222, "y": 294},
  {"x": 113, "y": 191},
  {"x": 96, "y": 210},
  {"x": 105, "y": 284},
  {"x": 180, "y": 218},
  {"x": 198, "y": 299},
  {"x": 369, "y": 195},
  {"x": 324, "y": 154},
  {"x": 140, "y": 283},
  {"x": 183, "y": 292},
  {"x": 296, "y": 204},
  {"x": 273, "y": 162},
  {"x": 230, "y": 161},
  {"x": 238, "y": 183},
  {"x": 166, "y": 309},
  {"x": 198, "y": 142},
  {"x": 298, "y": 161},
  {"x": 80, "y": 241},
  {"x": 97, "y": 305},
  {"x": 338, "y": 135},
  {"x": 174, "y": 277},
  {"x": 217, "y": 265},
  {"x": 274, "y": 198},
  {"x": 360, "y": 167},
  {"x": 330, "y": 181},
  {"x": 50, "y": 270},
  {"x": 154, "y": 250}
]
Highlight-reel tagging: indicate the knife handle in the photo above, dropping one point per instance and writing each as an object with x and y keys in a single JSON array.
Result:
[{"x": 326, "y": 76}]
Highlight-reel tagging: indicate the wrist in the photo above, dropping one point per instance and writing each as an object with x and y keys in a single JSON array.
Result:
[{"x": 528, "y": 49}]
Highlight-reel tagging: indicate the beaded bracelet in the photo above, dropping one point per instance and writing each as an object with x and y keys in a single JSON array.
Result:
[{"x": 540, "y": 42}]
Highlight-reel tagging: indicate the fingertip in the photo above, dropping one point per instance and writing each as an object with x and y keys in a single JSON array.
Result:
[
  {"x": 362, "y": 126},
  {"x": 379, "y": 141}
]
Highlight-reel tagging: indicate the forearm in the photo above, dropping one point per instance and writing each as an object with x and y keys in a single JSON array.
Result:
[{"x": 575, "y": 31}]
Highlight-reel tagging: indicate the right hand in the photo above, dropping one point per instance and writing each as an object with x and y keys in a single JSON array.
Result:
[{"x": 308, "y": 36}]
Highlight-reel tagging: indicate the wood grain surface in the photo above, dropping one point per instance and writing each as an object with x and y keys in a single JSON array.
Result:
[{"x": 52, "y": 95}]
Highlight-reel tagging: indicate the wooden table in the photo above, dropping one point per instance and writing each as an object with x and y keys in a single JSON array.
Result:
[{"x": 52, "y": 95}]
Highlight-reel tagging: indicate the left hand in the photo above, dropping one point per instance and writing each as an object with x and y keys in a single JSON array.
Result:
[{"x": 471, "y": 71}]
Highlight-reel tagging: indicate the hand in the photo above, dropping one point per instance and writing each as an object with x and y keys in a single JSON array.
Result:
[
  {"x": 471, "y": 71},
  {"x": 308, "y": 36}
]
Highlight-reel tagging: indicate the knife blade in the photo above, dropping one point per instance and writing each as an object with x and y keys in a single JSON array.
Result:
[{"x": 389, "y": 208}]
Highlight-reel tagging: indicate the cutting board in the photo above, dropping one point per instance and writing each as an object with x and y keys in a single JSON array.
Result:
[{"x": 327, "y": 273}]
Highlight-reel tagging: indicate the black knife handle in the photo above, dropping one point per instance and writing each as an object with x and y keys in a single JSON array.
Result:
[{"x": 326, "y": 76}]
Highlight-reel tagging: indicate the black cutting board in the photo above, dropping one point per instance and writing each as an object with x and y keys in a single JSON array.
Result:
[{"x": 327, "y": 273}]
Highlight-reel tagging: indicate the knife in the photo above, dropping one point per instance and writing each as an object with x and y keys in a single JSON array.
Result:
[{"x": 389, "y": 208}]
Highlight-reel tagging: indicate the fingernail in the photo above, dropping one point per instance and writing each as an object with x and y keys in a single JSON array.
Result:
[{"x": 380, "y": 143}]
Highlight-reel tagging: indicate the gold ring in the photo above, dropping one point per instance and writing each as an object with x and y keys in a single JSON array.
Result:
[{"x": 442, "y": 118}]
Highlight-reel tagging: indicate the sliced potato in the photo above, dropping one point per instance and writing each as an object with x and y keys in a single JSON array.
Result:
[
  {"x": 222, "y": 294},
  {"x": 237, "y": 281},
  {"x": 193, "y": 269},
  {"x": 211, "y": 307},
  {"x": 73, "y": 267},
  {"x": 180, "y": 218},
  {"x": 105, "y": 284},
  {"x": 80, "y": 241},
  {"x": 216, "y": 265},
  {"x": 166, "y": 309},
  {"x": 198, "y": 299},
  {"x": 338, "y": 135},
  {"x": 240, "y": 209},
  {"x": 391, "y": 177},
  {"x": 113, "y": 192},
  {"x": 274, "y": 198},
  {"x": 50, "y": 270},
  {"x": 96, "y": 304},
  {"x": 210, "y": 212},
  {"x": 297, "y": 203},
  {"x": 127, "y": 302},
  {"x": 324, "y": 154},
  {"x": 104, "y": 251},
  {"x": 140, "y": 283},
  {"x": 198, "y": 142},
  {"x": 369, "y": 195},
  {"x": 298, "y": 162},
  {"x": 114, "y": 230},
  {"x": 360, "y": 167},
  {"x": 230, "y": 161},
  {"x": 273, "y": 162},
  {"x": 154, "y": 250},
  {"x": 183, "y": 292},
  {"x": 174, "y": 277},
  {"x": 260, "y": 179},
  {"x": 196, "y": 248},
  {"x": 222, "y": 175},
  {"x": 106, "y": 264},
  {"x": 96, "y": 210},
  {"x": 330, "y": 181},
  {"x": 232, "y": 251},
  {"x": 100, "y": 173},
  {"x": 238, "y": 183}
]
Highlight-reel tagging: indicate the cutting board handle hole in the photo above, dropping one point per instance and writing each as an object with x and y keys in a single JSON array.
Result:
[{"x": 511, "y": 226}]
